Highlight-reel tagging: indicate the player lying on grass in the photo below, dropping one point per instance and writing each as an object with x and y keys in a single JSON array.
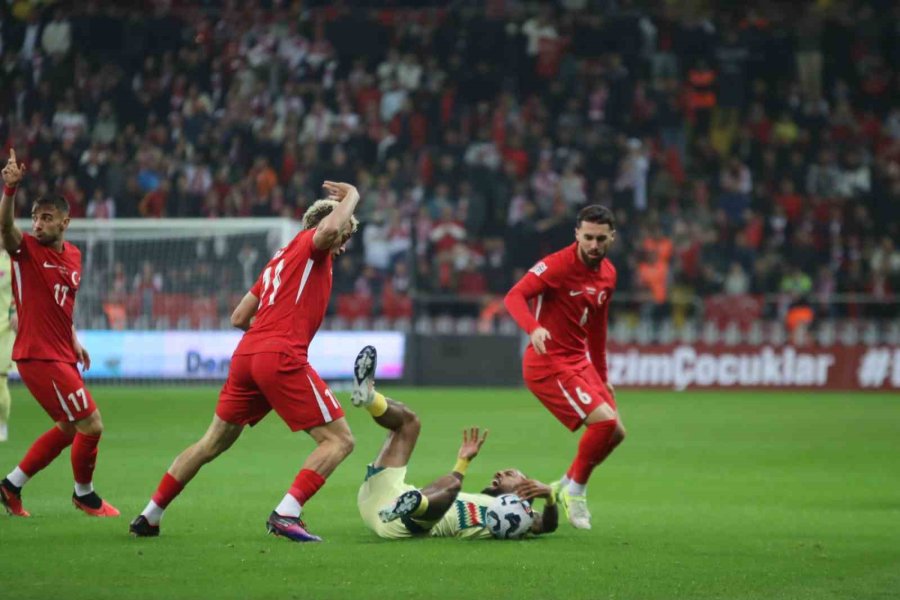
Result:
[
  {"x": 394, "y": 509},
  {"x": 270, "y": 369}
]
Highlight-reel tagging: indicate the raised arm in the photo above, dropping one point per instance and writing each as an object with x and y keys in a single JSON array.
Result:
[
  {"x": 12, "y": 175},
  {"x": 329, "y": 230}
]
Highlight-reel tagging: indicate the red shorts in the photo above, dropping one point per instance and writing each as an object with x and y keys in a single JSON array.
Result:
[
  {"x": 58, "y": 387},
  {"x": 258, "y": 383},
  {"x": 571, "y": 394}
]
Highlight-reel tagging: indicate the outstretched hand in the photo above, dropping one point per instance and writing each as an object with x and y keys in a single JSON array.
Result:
[
  {"x": 473, "y": 439},
  {"x": 13, "y": 171},
  {"x": 340, "y": 191}
]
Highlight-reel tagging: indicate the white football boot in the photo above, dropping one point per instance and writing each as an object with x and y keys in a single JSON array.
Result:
[
  {"x": 576, "y": 509},
  {"x": 364, "y": 377}
]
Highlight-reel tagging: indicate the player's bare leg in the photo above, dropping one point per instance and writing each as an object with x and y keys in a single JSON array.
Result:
[
  {"x": 42, "y": 452},
  {"x": 218, "y": 438},
  {"x": 334, "y": 442},
  {"x": 432, "y": 501},
  {"x": 83, "y": 435},
  {"x": 603, "y": 433},
  {"x": 86, "y": 437}
]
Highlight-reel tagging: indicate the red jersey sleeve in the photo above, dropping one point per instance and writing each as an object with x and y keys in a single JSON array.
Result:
[{"x": 543, "y": 275}]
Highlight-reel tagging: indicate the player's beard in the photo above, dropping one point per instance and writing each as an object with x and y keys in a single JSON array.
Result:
[
  {"x": 590, "y": 260},
  {"x": 45, "y": 239}
]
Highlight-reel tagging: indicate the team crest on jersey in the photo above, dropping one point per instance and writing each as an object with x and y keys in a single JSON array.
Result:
[
  {"x": 76, "y": 279},
  {"x": 601, "y": 297},
  {"x": 539, "y": 268}
]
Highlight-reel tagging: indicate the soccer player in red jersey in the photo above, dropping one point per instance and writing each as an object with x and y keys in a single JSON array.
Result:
[
  {"x": 270, "y": 368},
  {"x": 565, "y": 364},
  {"x": 46, "y": 277}
]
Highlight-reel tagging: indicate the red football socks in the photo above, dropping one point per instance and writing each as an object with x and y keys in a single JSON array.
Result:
[
  {"x": 44, "y": 450},
  {"x": 168, "y": 489},
  {"x": 595, "y": 445},
  {"x": 84, "y": 457},
  {"x": 305, "y": 485}
]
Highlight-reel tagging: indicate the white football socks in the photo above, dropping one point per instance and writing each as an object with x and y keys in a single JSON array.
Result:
[
  {"x": 18, "y": 477},
  {"x": 288, "y": 507},
  {"x": 577, "y": 489},
  {"x": 83, "y": 489},
  {"x": 153, "y": 513},
  {"x": 564, "y": 481}
]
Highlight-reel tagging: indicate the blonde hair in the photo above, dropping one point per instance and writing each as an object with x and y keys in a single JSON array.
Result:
[{"x": 321, "y": 209}]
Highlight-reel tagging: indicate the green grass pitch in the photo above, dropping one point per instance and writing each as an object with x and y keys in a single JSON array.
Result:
[{"x": 713, "y": 495}]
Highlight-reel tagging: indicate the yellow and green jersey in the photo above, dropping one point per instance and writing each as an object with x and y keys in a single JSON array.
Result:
[
  {"x": 465, "y": 519},
  {"x": 5, "y": 290}
]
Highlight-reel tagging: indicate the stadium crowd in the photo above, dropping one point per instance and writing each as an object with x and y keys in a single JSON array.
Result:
[{"x": 748, "y": 150}]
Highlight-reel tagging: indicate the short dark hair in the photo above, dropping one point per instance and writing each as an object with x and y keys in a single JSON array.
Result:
[
  {"x": 54, "y": 200},
  {"x": 598, "y": 214}
]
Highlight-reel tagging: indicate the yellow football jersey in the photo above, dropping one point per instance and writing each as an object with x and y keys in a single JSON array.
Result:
[
  {"x": 5, "y": 290},
  {"x": 465, "y": 519}
]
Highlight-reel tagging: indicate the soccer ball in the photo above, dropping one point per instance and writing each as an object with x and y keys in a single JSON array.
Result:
[{"x": 509, "y": 517}]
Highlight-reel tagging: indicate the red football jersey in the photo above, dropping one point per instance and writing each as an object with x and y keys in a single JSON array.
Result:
[
  {"x": 571, "y": 301},
  {"x": 44, "y": 286},
  {"x": 293, "y": 291}
]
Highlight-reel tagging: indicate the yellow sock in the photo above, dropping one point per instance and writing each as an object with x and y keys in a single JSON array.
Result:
[
  {"x": 422, "y": 507},
  {"x": 461, "y": 465},
  {"x": 379, "y": 405}
]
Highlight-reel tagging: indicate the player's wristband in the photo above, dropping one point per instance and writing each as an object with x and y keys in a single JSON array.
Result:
[
  {"x": 461, "y": 465},
  {"x": 10, "y": 190},
  {"x": 551, "y": 500}
]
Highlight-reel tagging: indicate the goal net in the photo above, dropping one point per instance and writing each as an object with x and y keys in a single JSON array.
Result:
[{"x": 156, "y": 297}]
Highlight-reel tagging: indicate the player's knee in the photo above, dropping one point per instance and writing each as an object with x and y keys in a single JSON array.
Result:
[
  {"x": 346, "y": 443},
  {"x": 618, "y": 434},
  {"x": 409, "y": 420},
  {"x": 91, "y": 425},
  {"x": 411, "y": 424}
]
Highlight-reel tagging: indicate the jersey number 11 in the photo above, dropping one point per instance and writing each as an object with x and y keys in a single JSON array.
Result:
[{"x": 274, "y": 281}]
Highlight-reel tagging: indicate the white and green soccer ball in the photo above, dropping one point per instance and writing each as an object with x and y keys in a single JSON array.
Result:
[{"x": 509, "y": 517}]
